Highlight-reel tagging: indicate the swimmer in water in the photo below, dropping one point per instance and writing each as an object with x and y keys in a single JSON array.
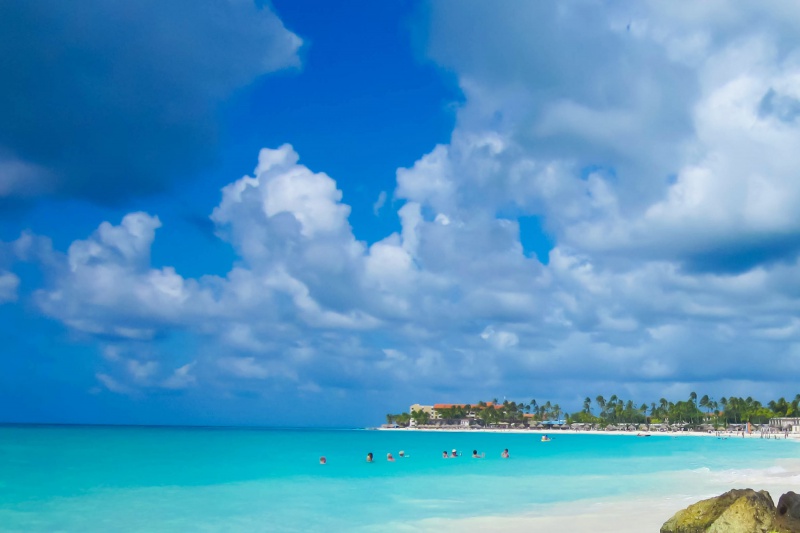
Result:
[
  {"x": 476, "y": 456},
  {"x": 444, "y": 454},
  {"x": 454, "y": 453},
  {"x": 322, "y": 460},
  {"x": 369, "y": 457},
  {"x": 389, "y": 457},
  {"x": 504, "y": 455}
]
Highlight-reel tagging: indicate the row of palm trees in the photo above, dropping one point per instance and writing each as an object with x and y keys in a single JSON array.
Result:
[
  {"x": 615, "y": 410},
  {"x": 732, "y": 410}
]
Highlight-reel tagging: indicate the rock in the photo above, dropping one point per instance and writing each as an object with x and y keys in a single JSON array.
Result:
[
  {"x": 787, "y": 513},
  {"x": 736, "y": 511}
]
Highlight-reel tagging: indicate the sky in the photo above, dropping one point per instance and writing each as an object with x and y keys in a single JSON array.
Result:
[{"x": 298, "y": 213}]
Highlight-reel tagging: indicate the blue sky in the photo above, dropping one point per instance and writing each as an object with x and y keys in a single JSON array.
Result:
[{"x": 297, "y": 214}]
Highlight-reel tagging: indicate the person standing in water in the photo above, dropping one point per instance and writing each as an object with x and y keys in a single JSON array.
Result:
[
  {"x": 369, "y": 457},
  {"x": 504, "y": 455},
  {"x": 389, "y": 457},
  {"x": 322, "y": 460},
  {"x": 476, "y": 456}
]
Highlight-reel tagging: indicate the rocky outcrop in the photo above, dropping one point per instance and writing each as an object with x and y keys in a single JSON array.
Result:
[
  {"x": 736, "y": 511},
  {"x": 787, "y": 514}
]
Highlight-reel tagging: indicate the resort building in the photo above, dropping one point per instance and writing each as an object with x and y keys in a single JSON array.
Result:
[
  {"x": 435, "y": 411},
  {"x": 785, "y": 424}
]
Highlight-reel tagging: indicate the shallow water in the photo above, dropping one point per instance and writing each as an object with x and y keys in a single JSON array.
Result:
[{"x": 206, "y": 479}]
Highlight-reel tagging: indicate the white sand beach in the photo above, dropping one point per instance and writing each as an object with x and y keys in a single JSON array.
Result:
[
  {"x": 616, "y": 515},
  {"x": 717, "y": 434}
]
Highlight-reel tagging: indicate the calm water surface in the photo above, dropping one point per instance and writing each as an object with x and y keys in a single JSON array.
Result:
[{"x": 207, "y": 479}]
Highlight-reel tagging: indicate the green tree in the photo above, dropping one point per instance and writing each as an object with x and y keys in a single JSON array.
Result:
[
  {"x": 601, "y": 404},
  {"x": 704, "y": 401}
]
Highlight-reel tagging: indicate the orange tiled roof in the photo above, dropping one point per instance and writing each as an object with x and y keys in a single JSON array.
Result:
[{"x": 449, "y": 405}]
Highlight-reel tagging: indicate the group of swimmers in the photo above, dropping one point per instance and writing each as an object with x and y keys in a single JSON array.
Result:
[{"x": 402, "y": 454}]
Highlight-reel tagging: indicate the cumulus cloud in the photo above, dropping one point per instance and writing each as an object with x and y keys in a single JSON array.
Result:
[
  {"x": 676, "y": 144},
  {"x": 105, "y": 285},
  {"x": 108, "y": 99}
]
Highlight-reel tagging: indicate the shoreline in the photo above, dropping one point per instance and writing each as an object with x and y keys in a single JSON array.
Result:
[
  {"x": 616, "y": 514},
  {"x": 720, "y": 434}
]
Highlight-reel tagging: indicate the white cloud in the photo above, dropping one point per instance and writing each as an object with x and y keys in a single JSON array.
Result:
[
  {"x": 181, "y": 378},
  {"x": 112, "y": 384},
  {"x": 105, "y": 284},
  {"x": 245, "y": 367},
  {"x": 501, "y": 340},
  {"x": 8, "y": 287},
  {"x": 141, "y": 371},
  {"x": 379, "y": 203}
]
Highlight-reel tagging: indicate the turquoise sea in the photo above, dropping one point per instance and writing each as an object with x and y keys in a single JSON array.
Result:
[{"x": 124, "y": 479}]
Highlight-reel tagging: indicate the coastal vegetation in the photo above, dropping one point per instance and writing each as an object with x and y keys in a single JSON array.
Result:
[{"x": 614, "y": 410}]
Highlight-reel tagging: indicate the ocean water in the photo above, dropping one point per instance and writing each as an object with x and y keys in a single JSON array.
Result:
[{"x": 206, "y": 479}]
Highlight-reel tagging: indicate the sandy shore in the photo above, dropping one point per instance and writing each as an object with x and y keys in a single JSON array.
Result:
[
  {"x": 540, "y": 432},
  {"x": 594, "y": 517}
]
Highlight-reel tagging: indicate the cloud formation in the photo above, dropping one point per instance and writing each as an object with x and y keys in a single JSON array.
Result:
[
  {"x": 8, "y": 287},
  {"x": 658, "y": 147},
  {"x": 104, "y": 100}
]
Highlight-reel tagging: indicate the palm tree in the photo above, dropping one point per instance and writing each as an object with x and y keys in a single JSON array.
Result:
[
  {"x": 587, "y": 402},
  {"x": 663, "y": 404},
  {"x": 724, "y": 403},
  {"x": 421, "y": 417},
  {"x": 704, "y": 401},
  {"x": 601, "y": 403},
  {"x": 795, "y": 404}
]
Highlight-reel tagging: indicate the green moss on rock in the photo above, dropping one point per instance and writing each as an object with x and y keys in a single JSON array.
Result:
[{"x": 736, "y": 511}]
